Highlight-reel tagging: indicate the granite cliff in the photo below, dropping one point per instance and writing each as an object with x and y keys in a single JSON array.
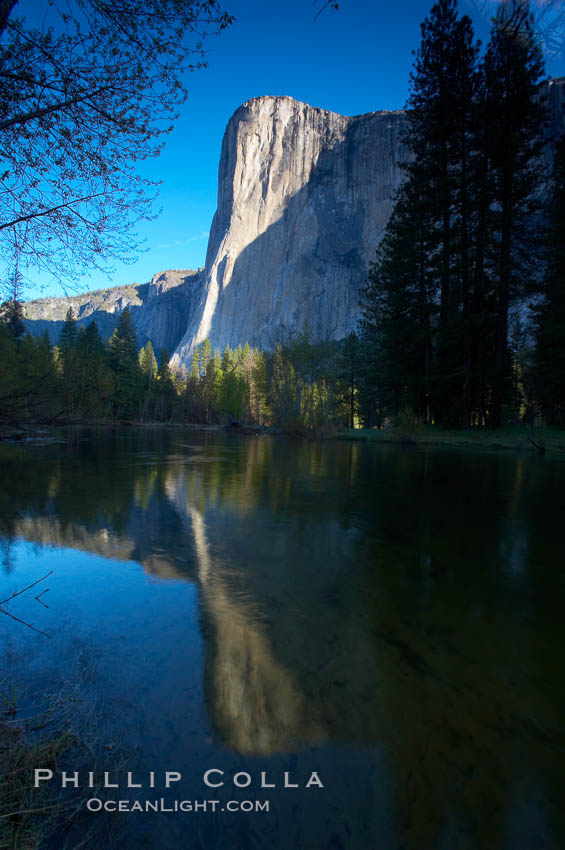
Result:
[
  {"x": 160, "y": 309},
  {"x": 303, "y": 198}
]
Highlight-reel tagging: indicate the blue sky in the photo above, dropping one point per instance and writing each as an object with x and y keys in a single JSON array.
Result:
[{"x": 351, "y": 61}]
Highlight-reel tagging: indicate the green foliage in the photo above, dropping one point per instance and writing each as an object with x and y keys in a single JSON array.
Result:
[
  {"x": 125, "y": 366},
  {"x": 457, "y": 250},
  {"x": 27, "y": 378},
  {"x": 406, "y": 421},
  {"x": 348, "y": 371},
  {"x": 399, "y": 308},
  {"x": 549, "y": 311},
  {"x": 68, "y": 335},
  {"x": 149, "y": 375},
  {"x": 94, "y": 378},
  {"x": 167, "y": 394},
  {"x": 11, "y": 310},
  {"x": 148, "y": 364},
  {"x": 302, "y": 383},
  {"x": 515, "y": 116}
]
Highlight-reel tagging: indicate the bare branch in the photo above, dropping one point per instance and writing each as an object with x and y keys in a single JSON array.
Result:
[
  {"x": 19, "y": 592},
  {"x": 51, "y": 210},
  {"x": 7, "y": 613},
  {"x": 24, "y": 118}
]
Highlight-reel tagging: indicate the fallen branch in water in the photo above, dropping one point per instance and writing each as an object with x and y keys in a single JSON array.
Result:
[
  {"x": 539, "y": 447},
  {"x": 19, "y": 593}
]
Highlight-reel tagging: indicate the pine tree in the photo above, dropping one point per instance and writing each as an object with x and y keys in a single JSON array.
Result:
[
  {"x": 125, "y": 365},
  {"x": 149, "y": 371},
  {"x": 70, "y": 378},
  {"x": 195, "y": 364},
  {"x": 148, "y": 364},
  {"x": 233, "y": 397},
  {"x": 349, "y": 373},
  {"x": 398, "y": 309},
  {"x": 167, "y": 391},
  {"x": 260, "y": 386},
  {"x": 440, "y": 113},
  {"x": 416, "y": 327},
  {"x": 69, "y": 331},
  {"x": 549, "y": 313},
  {"x": 205, "y": 356},
  {"x": 282, "y": 398},
  {"x": 92, "y": 374},
  {"x": 11, "y": 310},
  {"x": 513, "y": 67},
  {"x": 27, "y": 378}
]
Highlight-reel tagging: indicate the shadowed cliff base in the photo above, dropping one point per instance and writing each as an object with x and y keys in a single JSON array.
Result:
[{"x": 160, "y": 310}]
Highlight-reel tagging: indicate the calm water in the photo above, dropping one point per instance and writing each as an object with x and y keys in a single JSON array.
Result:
[{"x": 391, "y": 618}]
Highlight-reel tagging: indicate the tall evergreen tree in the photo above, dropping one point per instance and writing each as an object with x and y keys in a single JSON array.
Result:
[
  {"x": 11, "y": 310},
  {"x": 205, "y": 356},
  {"x": 417, "y": 305},
  {"x": 457, "y": 250},
  {"x": 348, "y": 366},
  {"x": 166, "y": 389},
  {"x": 515, "y": 115},
  {"x": 125, "y": 365},
  {"x": 148, "y": 364},
  {"x": 92, "y": 374},
  {"x": 195, "y": 363},
  {"x": 69, "y": 331},
  {"x": 149, "y": 371},
  {"x": 440, "y": 113},
  {"x": 549, "y": 313},
  {"x": 398, "y": 308},
  {"x": 70, "y": 378}
]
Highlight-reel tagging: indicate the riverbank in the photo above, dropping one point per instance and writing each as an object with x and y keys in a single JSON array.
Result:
[
  {"x": 33, "y": 431},
  {"x": 540, "y": 440},
  {"x": 60, "y": 732}
]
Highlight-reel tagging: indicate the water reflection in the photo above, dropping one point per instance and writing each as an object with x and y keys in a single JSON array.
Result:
[{"x": 349, "y": 595}]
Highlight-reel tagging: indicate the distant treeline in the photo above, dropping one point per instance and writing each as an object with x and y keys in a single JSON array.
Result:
[
  {"x": 297, "y": 386},
  {"x": 464, "y": 308}
]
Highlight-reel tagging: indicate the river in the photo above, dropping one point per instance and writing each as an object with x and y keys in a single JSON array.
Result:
[{"x": 382, "y": 622}]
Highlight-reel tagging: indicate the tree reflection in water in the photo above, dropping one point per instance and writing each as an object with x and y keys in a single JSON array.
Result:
[{"x": 397, "y": 600}]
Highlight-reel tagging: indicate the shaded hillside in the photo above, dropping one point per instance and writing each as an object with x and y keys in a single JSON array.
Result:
[{"x": 160, "y": 309}]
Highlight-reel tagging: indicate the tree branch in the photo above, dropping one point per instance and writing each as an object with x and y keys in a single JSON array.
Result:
[
  {"x": 6, "y": 7},
  {"x": 23, "y": 118},
  {"x": 68, "y": 205},
  {"x": 18, "y": 593}
]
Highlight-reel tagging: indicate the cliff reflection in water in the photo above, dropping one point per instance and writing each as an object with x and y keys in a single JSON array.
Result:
[{"x": 404, "y": 600}]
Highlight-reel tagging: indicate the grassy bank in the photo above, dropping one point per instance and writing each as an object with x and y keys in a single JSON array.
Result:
[
  {"x": 532, "y": 440},
  {"x": 64, "y": 735}
]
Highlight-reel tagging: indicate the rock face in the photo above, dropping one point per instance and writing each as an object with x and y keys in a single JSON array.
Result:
[
  {"x": 160, "y": 309},
  {"x": 303, "y": 198}
]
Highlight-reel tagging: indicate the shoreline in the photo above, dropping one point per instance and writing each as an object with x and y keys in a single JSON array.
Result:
[
  {"x": 533, "y": 440},
  {"x": 537, "y": 441}
]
